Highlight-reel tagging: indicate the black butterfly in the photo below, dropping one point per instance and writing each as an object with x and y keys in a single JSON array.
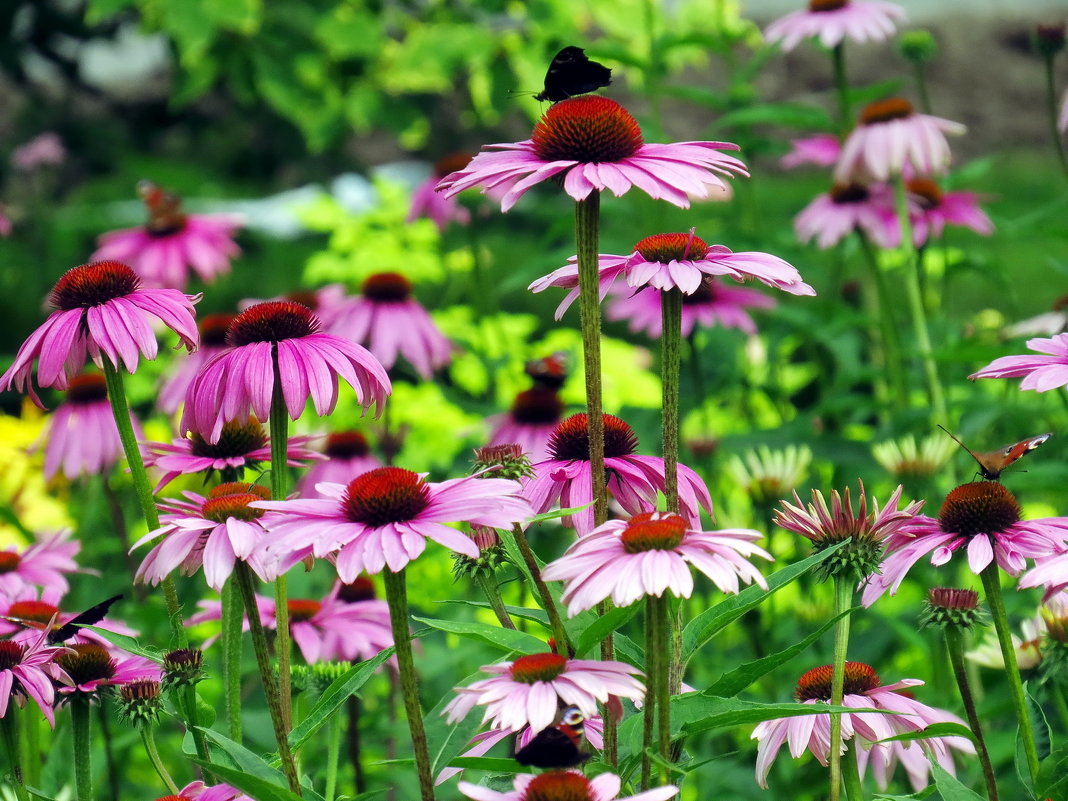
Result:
[
  {"x": 91, "y": 616},
  {"x": 572, "y": 73},
  {"x": 558, "y": 745}
]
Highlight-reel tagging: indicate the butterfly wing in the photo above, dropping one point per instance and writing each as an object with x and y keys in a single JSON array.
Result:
[
  {"x": 992, "y": 464},
  {"x": 572, "y": 73},
  {"x": 92, "y": 615}
]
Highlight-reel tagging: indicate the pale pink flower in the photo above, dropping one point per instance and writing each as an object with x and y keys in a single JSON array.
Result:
[
  {"x": 836, "y": 214},
  {"x": 44, "y": 150},
  {"x": 101, "y": 312},
  {"x": 41, "y": 565},
  {"x": 1062, "y": 117},
  {"x": 440, "y": 208},
  {"x": 1050, "y": 573},
  {"x": 834, "y": 21},
  {"x": 336, "y": 630},
  {"x": 346, "y": 455},
  {"x": 172, "y": 391},
  {"x": 594, "y": 144},
  {"x": 198, "y": 791},
  {"x": 530, "y": 422},
  {"x": 565, "y": 785},
  {"x": 28, "y": 670},
  {"x": 715, "y": 303},
  {"x": 935, "y": 209},
  {"x": 863, "y": 692},
  {"x": 531, "y": 690},
  {"x": 5, "y": 222},
  {"x": 1041, "y": 373},
  {"x": 211, "y": 610},
  {"x": 171, "y": 243},
  {"x": 821, "y": 150}
]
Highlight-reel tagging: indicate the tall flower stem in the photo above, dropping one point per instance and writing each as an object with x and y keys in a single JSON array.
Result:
[
  {"x": 120, "y": 408},
  {"x": 232, "y": 619},
  {"x": 920, "y": 72},
  {"x": 662, "y": 686},
  {"x": 845, "y": 113},
  {"x": 917, "y": 309},
  {"x": 851, "y": 778},
  {"x": 671, "y": 360},
  {"x": 878, "y": 306},
  {"x": 992, "y": 585},
  {"x": 493, "y": 595},
  {"x": 649, "y": 702},
  {"x": 1051, "y": 107},
  {"x": 354, "y": 746},
  {"x": 397, "y": 598},
  {"x": 333, "y": 747},
  {"x": 955, "y": 645},
  {"x": 149, "y": 740},
  {"x": 244, "y": 576},
  {"x": 556, "y": 623},
  {"x": 83, "y": 768},
  {"x": 279, "y": 432},
  {"x": 9, "y": 727},
  {"x": 843, "y": 597}
]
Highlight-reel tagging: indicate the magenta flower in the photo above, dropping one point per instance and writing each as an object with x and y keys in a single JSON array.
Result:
[
  {"x": 42, "y": 565},
  {"x": 1041, "y": 373},
  {"x": 846, "y": 208},
  {"x": 347, "y": 455},
  {"x": 1050, "y": 573},
  {"x": 892, "y": 139},
  {"x": 334, "y": 630},
  {"x": 594, "y": 144},
  {"x": 172, "y": 392},
  {"x": 390, "y": 323},
  {"x": 44, "y": 150},
  {"x": 565, "y": 784},
  {"x": 92, "y": 666},
  {"x": 862, "y": 691},
  {"x": 384, "y": 518},
  {"x": 935, "y": 209},
  {"x": 213, "y": 532},
  {"x": 29, "y": 610},
  {"x": 715, "y": 303},
  {"x": 834, "y": 21},
  {"x": 279, "y": 340},
  {"x": 198, "y": 791},
  {"x": 211, "y": 610},
  {"x": 241, "y": 446},
  {"x": 530, "y": 422},
  {"x": 171, "y": 243},
  {"x": 981, "y": 517},
  {"x": 5, "y": 222},
  {"x": 28, "y": 670},
  {"x": 101, "y": 312},
  {"x": 821, "y": 150},
  {"x": 633, "y": 480},
  {"x": 428, "y": 202},
  {"x": 531, "y": 690},
  {"x": 651, "y": 554}
]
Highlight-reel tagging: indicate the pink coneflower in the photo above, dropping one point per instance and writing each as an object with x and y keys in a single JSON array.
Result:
[
  {"x": 212, "y": 329},
  {"x": 862, "y": 691},
  {"x": 336, "y": 630},
  {"x": 1050, "y": 573},
  {"x": 834, "y": 21},
  {"x": 565, "y": 785},
  {"x": 634, "y": 480},
  {"x": 279, "y": 341},
  {"x": 171, "y": 243},
  {"x": 44, "y": 150},
  {"x": 211, "y": 610},
  {"x": 821, "y": 150},
  {"x": 531, "y": 690},
  {"x": 198, "y": 791},
  {"x": 984, "y": 518},
  {"x": 391, "y": 323},
  {"x": 651, "y": 554},
  {"x": 213, "y": 532},
  {"x": 81, "y": 438},
  {"x": 241, "y": 446},
  {"x": 846, "y": 208},
  {"x": 892, "y": 138},
  {"x": 5, "y": 222},
  {"x": 347, "y": 455},
  {"x": 30, "y": 610},
  {"x": 437, "y": 206},
  {"x": 101, "y": 311},
  {"x": 530, "y": 422},
  {"x": 42, "y": 565},
  {"x": 27, "y": 670},
  {"x": 1041, "y": 373},
  {"x": 715, "y": 303},
  {"x": 91, "y": 667},
  {"x": 936, "y": 209},
  {"x": 594, "y": 144},
  {"x": 384, "y": 518}
]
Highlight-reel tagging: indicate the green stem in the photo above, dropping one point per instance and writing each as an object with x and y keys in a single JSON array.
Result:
[
  {"x": 121, "y": 411},
  {"x": 493, "y": 595},
  {"x": 955, "y": 645},
  {"x": 29, "y": 742},
  {"x": 83, "y": 767},
  {"x": 354, "y": 744},
  {"x": 188, "y": 696},
  {"x": 916, "y": 308},
  {"x": 845, "y": 113},
  {"x": 921, "y": 87},
  {"x": 9, "y": 726},
  {"x": 649, "y": 702},
  {"x": 397, "y": 598},
  {"x": 662, "y": 687},
  {"x": 671, "y": 358},
  {"x": 333, "y": 748},
  {"x": 843, "y": 598},
  {"x": 1051, "y": 105},
  {"x": 1057, "y": 691},
  {"x": 279, "y": 432},
  {"x": 153, "y": 756},
  {"x": 992, "y": 585},
  {"x": 244, "y": 576},
  {"x": 851, "y": 777},
  {"x": 232, "y": 620},
  {"x": 563, "y": 645},
  {"x": 884, "y": 310}
]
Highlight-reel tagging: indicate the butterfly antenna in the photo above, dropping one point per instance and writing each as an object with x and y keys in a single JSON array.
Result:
[{"x": 953, "y": 437}]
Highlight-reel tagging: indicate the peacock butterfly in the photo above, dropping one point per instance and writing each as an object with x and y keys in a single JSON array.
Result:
[
  {"x": 572, "y": 73},
  {"x": 993, "y": 463}
]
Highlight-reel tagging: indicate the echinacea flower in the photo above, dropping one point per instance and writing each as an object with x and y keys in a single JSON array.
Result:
[
  {"x": 436, "y": 206},
  {"x": 324, "y": 302},
  {"x": 212, "y": 532},
  {"x": 41, "y": 565},
  {"x": 846, "y": 208},
  {"x": 907, "y": 459},
  {"x": 279, "y": 342},
  {"x": 937, "y": 208},
  {"x": 564, "y": 785},
  {"x": 820, "y": 150},
  {"x": 29, "y": 611},
  {"x": 101, "y": 312},
  {"x": 983, "y": 518},
  {"x": 891, "y": 139},
  {"x": 834, "y": 21},
  {"x": 766, "y": 475},
  {"x": 530, "y": 422},
  {"x": 389, "y": 322},
  {"x": 384, "y": 517},
  {"x": 172, "y": 392},
  {"x": 198, "y": 791},
  {"x": 1026, "y": 645},
  {"x": 335, "y": 630},
  {"x": 347, "y": 454},
  {"x": 1041, "y": 373},
  {"x": 28, "y": 670},
  {"x": 594, "y": 144},
  {"x": 91, "y": 667},
  {"x": 634, "y": 480},
  {"x": 531, "y": 690},
  {"x": 1050, "y": 572},
  {"x": 651, "y": 554},
  {"x": 171, "y": 242},
  {"x": 863, "y": 691},
  {"x": 44, "y": 150},
  {"x": 714, "y": 303}
]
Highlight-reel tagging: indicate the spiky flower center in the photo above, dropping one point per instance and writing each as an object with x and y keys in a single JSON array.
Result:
[
  {"x": 537, "y": 406},
  {"x": 33, "y": 613},
  {"x": 236, "y": 439},
  {"x": 93, "y": 284},
  {"x": 302, "y": 609},
  {"x": 231, "y": 500},
  {"x": 387, "y": 287},
  {"x": 454, "y": 162},
  {"x": 498, "y": 454},
  {"x": 653, "y": 531},
  {"x": 588, "y": 129},
  {"x": 844, "y": 194},
  {"x": 9, "y": 561},
  {"x": 981, "y": 507},
  {"x": 892, "y": 108},
  {"x": 558, "y": 786},
  {"x": 386, "y": 495},
  {"x": 816, "y": 684},
  {"x": 666, "y": 248},
  {"x": 571, "y": 439},
  {"x": 950, "y": 598},
  {"x": 183, "y": 659},
  {"x": 272, "y": 321},
  {"x": 347, "y": 445},
  {"x": 10, "y": 654},
  {"x": 88, "y": 662},
  {"x": 87, "y": 388},
  {"x": 213, "y": 328},
  {"x": 533, "y": 668},
  {"x": 362, "y": 589},
  {"x": 926, "y": 192},
  {"x": 819, "y": 6},
  {"x": 139, "y": 691}
]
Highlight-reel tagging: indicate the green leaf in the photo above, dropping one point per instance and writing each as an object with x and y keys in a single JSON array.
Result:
[
  {"x": 334, "y": 696},
  {"x": 793, "y": 115},
  {"x": 493, "y": 764},
  {"x": 1052, "y": 779},
  {"x": 556, "y": 514},
  {"x": 446, "y": 740},
  {"x": 712, "y": 621},
  {"x": 522, "y": 612},
  {"x": 949, "y": 787},
  {"x": 934, "y": 730},
  {"x": 602, "y": 626},
  {"x": 244, "y": 760},
  {"x": 128, "y": 644},
  {"x": 254, "y": 786},
  {"x": 504, "y": 639}
]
